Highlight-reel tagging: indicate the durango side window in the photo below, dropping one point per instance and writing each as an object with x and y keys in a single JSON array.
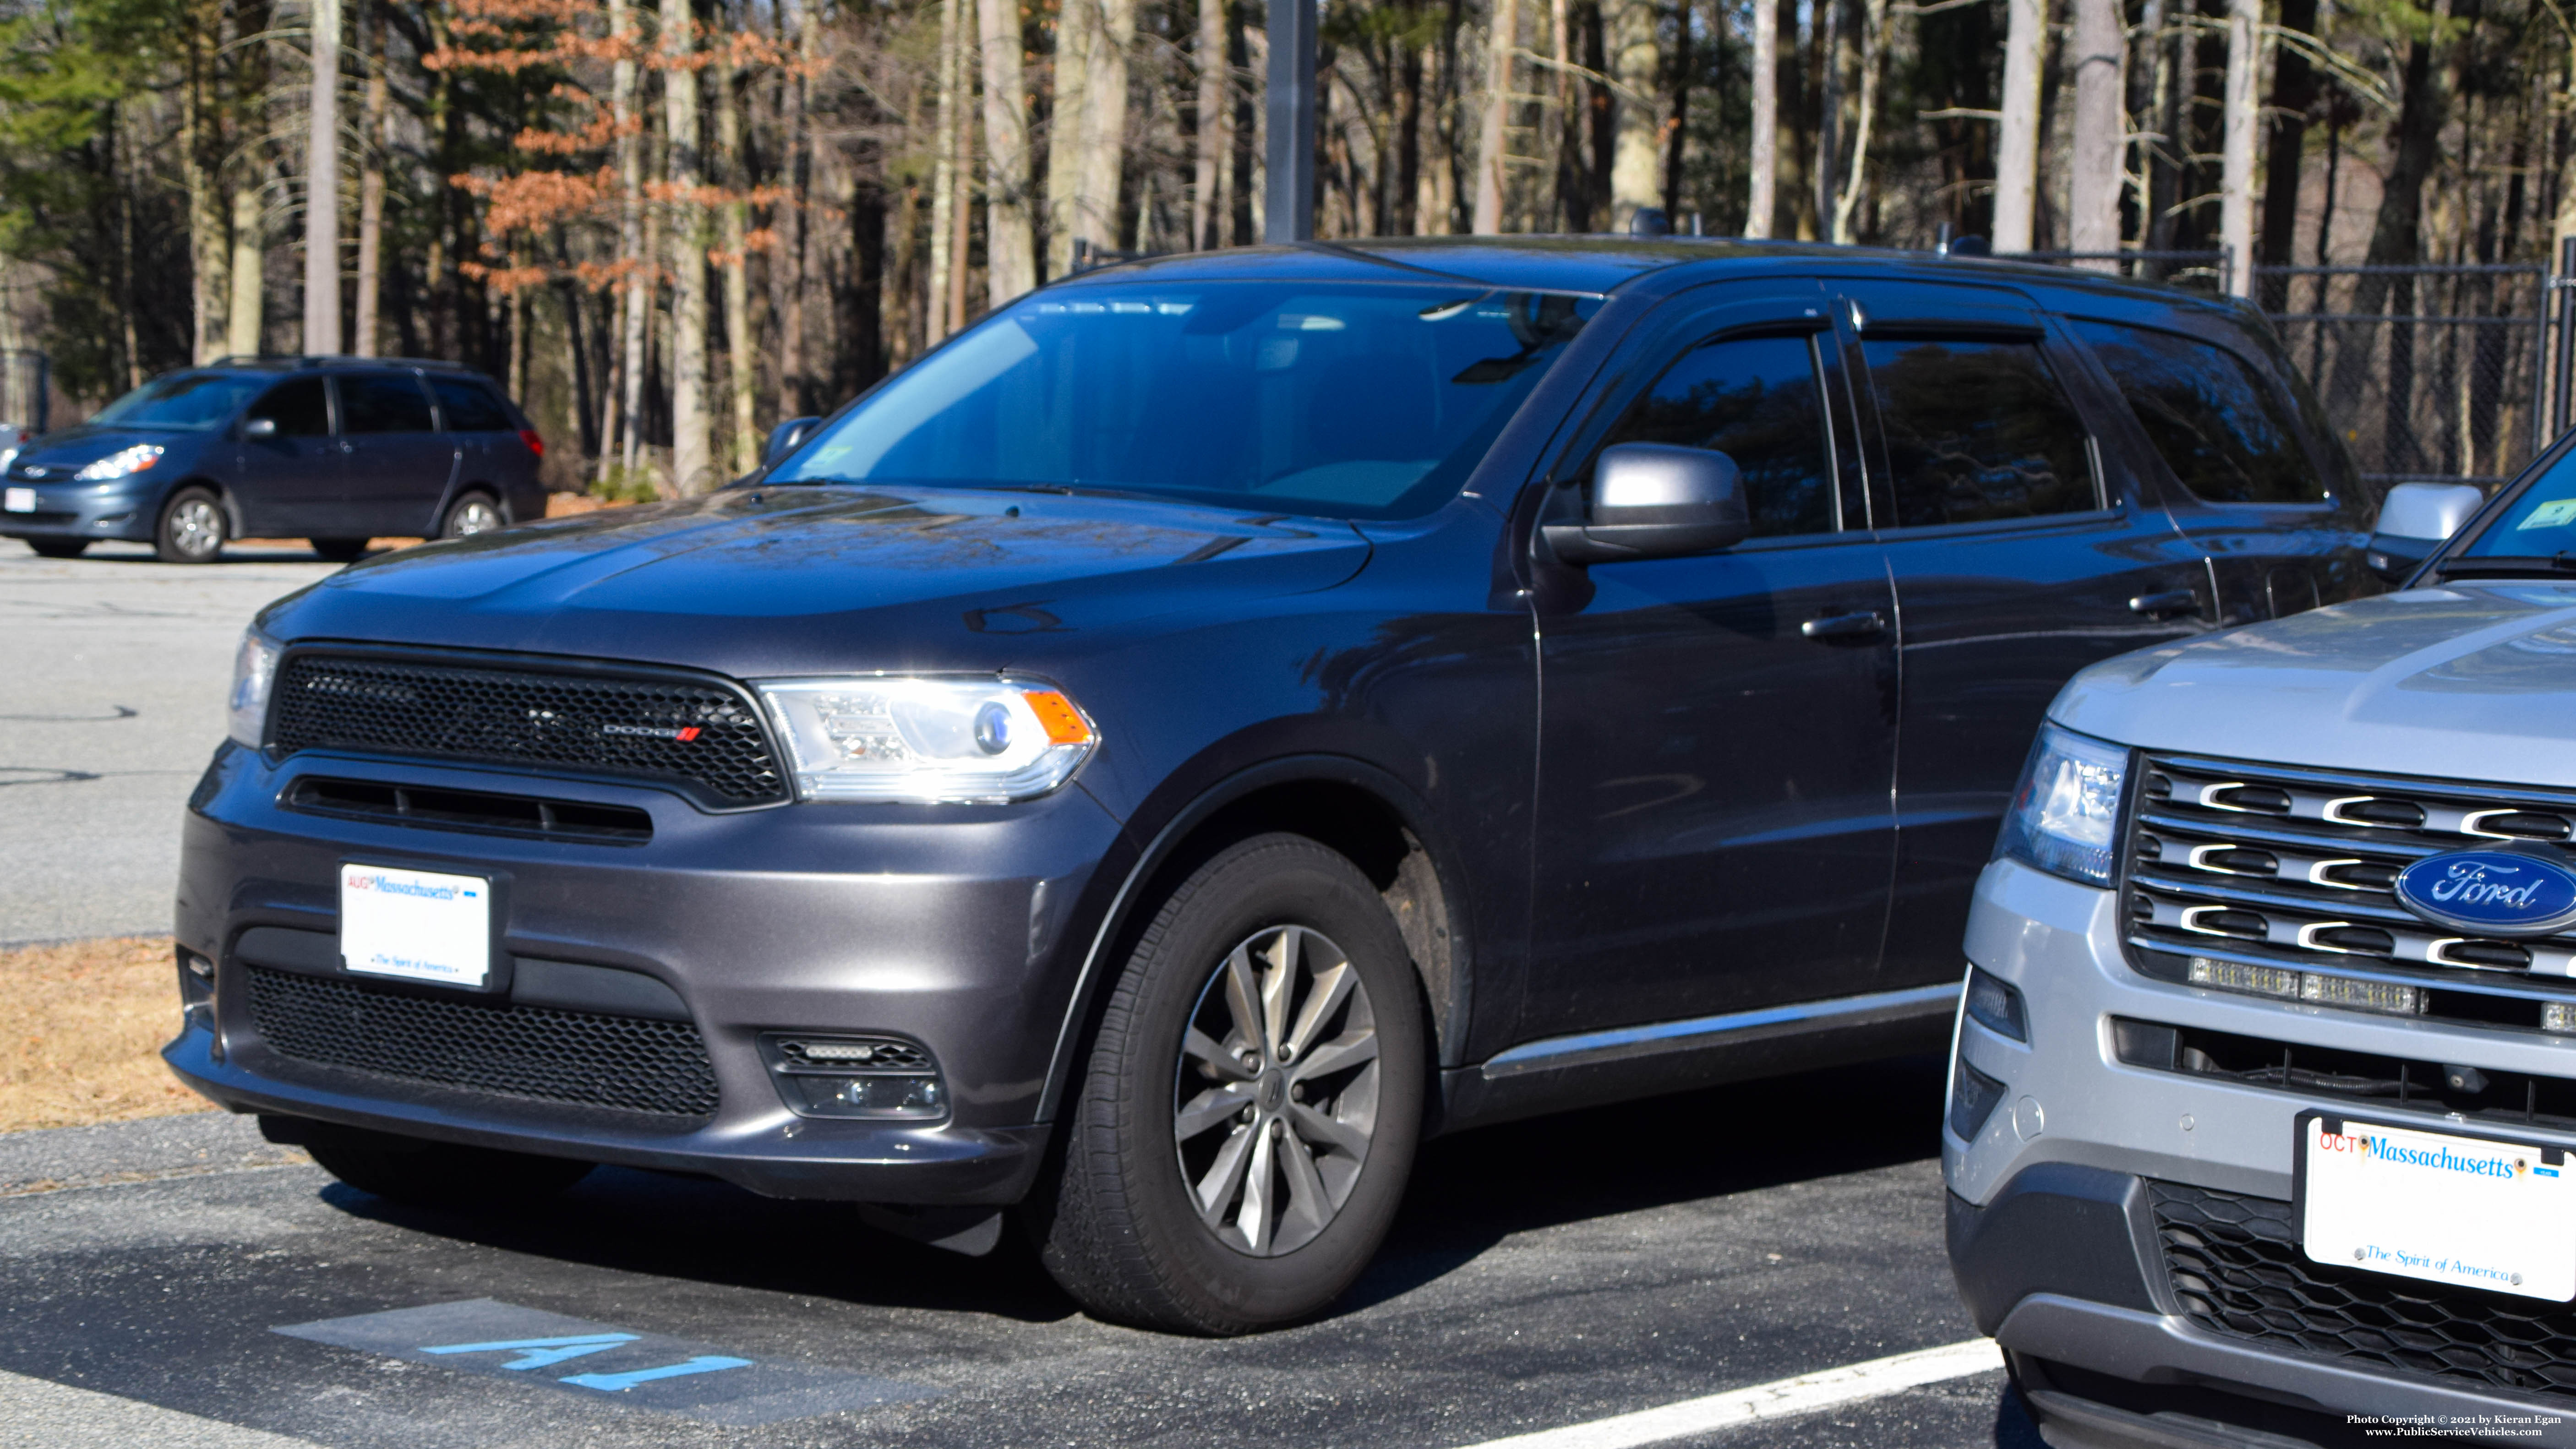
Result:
[
  {"x": 1757, "y": 400},
  {"x": 1978, "y": 430},
  {"x": 2217, "y": 426}
]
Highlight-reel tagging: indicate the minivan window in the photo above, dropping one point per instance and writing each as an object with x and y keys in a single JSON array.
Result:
[
  {"x": 383, "y": 402},
  {"x": 195, "y": 402},
  {"x": 469, "y": 408},
  {"x": 2224, "y": 434},
  {"x": 1759, "y": 401},
  {"x": 1351, "y": 400},
  {"x": 1978, "y": 430},
  {"x": 297, "y": 407}
]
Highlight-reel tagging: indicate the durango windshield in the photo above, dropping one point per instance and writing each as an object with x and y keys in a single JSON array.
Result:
[
  {"x": 195, "y": 402},
  {"x": 1361, "y": 401}
]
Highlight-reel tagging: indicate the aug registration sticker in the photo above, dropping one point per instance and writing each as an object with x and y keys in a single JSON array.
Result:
[
  {"x": 416, "y": 924},
  {"x": 2443, "y": 1208}
]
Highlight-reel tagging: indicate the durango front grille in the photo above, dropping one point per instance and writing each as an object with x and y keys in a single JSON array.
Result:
[
  {"x": 699, "y": 734},
  {"x": 2235, "y": 1264},
  {"x": 476, "y": 1044},
  {"x": 2269, "y": 866}
]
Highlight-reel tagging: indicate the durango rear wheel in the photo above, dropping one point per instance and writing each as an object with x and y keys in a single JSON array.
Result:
[
  {"x": 192, "y": 527},
  {"x": 1240, "y": 1143}
]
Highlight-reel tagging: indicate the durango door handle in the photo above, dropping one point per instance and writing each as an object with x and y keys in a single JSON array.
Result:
[
  {"x": 1845, "y": 626},
  {"x": 2172, "y": 601}
]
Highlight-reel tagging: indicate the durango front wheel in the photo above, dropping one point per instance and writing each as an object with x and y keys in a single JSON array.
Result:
[{"x": 1240, "y": 1143}]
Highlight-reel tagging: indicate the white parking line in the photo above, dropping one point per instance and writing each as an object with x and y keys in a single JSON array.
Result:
[
  {"x": 41, "y": 1414},
  {"x": 1778, "y": 1399}
]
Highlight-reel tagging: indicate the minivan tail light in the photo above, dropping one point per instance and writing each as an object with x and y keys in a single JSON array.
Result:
[{"x": 535, "y": 444}]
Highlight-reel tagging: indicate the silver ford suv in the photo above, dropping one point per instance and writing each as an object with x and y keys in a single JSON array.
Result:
[{"x": 2263, "y": 1098}]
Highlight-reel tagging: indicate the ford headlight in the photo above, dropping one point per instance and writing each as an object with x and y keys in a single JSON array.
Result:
[
  {"x": 927, "y": 740},
  {"x": 2067, "y": 807},
  {"x": 254, "y": 670},
  {"x": 124, "y": 463}
]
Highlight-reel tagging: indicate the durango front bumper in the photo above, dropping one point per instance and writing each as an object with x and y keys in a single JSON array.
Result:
[
  {"x": 2126, "y": 1230},
  {"x": 647, "y": 977}
]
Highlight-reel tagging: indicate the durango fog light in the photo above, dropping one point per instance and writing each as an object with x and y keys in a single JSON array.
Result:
[
  {"x": 928, "y": 740},
  {"x": 2381, "y": 996},
  {"x": 882, "y": 1078},
  {"x": 2558, "y": 1016},
  {"x": 2238, "y": 976}
]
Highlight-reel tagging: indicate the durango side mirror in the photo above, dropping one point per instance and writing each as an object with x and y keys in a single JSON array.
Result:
[
  {"x": 1653, "y": 500},
  {"x": 784, "y": 438},
  {"x": 260, "y": 428},
  {"x": 2414, "y": 520}
]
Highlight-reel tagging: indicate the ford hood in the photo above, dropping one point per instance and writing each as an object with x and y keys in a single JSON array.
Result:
[
  {"x": 2469, "y": 681},
  {"x": 790, "y": 580}
]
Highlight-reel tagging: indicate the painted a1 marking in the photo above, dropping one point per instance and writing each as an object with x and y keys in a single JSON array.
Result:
[
  {"x": 540, "y": 1352},
  {"x": 613, "y": 1383}
]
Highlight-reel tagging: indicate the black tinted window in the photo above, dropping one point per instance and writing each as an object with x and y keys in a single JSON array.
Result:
[
  {"x": 2224, "y": 434},
  {"x": 297, "y": 407},
  {"x": 469, "y": 408},
  {"x": 199, "y": 402},
  {"x": 1757, "y": 400},
  {"x": 383, "y": 402},
  {"x": 1978, "y": 430}
]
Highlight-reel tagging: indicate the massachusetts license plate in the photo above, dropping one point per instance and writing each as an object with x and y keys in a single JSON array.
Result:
[
  {"x": 416, "y": 924},
  {"x": 18, "y": 500},
  {"x": 2476, "y": 1212}
]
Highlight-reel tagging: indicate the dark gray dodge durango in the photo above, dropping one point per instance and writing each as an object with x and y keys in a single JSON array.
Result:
[{"x": 1217, "y": 720}]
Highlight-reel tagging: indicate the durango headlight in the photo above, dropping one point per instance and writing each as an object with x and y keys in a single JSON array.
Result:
[
  {"x": 2067, "y": 806},
  {"x": 123, "y": 463},
  {"x": 927, "y": 740},
  {"x": 254, "y": 669}
]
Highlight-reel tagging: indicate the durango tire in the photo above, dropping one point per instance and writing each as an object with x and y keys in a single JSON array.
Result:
[
  {"x": 440, "y": 1174},
  {"x": 192, "y": 527},
  {"x": 1239, "y": 1143}
]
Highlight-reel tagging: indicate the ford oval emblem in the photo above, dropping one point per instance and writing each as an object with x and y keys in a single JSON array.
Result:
[{"x": 2507, "y": 891}]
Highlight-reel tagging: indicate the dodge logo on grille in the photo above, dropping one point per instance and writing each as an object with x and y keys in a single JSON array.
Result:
[{"x": 681, "y": 733}]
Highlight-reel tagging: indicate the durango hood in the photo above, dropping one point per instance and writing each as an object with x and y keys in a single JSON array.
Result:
[
  {"x": 789, "y": 580},
  {"x": 2470, "y": 680}
]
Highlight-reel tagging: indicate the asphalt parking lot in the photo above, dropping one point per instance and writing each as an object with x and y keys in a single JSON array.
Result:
[{"x": 177, "y": 1281}]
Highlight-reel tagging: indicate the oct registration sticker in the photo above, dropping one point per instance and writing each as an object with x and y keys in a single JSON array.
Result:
[
  {"x": 416, "y": 924},
  {"x": 2470, "y": 1211}
]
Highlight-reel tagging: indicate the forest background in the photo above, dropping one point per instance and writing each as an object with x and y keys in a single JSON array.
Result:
[{"x": 667, "y": 226}]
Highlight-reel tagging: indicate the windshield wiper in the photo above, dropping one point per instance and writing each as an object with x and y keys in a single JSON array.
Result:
[{"x": 2509, "y": 565}]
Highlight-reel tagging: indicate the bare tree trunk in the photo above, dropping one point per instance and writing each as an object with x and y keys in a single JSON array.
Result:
[
  {"x": 692, "y": 467},
  {"x": 2294, "y": 91},
  {"x": 742, "y": 371},
  {"x": 1763, "y": 198},
  {"x": 1494, "y": 133},
  {"x": 1636, "y": 66},
  {"x": 1209, "y": 142},
  {"x": 635, "y": 266},
  {"x": 210, "y": 261},
  {"x": 1077, "y": 48},
  {"x": 1829, "y": 112},
  {"x": 243, "y": 336},
  {"x": 322, "y": 186},
  {"x": 2096, "y": 174},
  {"x": 2236, "y": 185},
  {"x": 1010, "y": 242},
  {"x": 943, "y": 171},
  {"x": 792, "y": 392},
  {"x": 2017, "y": 142},
  {"x": 371, "y": 191},
  {"x": 1873, "y": 48},
  {"x": 1104, "y": 123}
]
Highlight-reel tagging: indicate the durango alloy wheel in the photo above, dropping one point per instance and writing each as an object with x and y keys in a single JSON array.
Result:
[
  {"x": 1276, "y": 1098},
  {"x": 1238, "y": 1145},
  {"x": 192, "y": 528}
]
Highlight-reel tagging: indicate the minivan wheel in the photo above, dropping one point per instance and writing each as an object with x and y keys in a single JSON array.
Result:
[
  {"x": 473, "y": 513},
  {"x": 192, "y": 528},
  {"x": 1240, "y": 1140},
  {"x": 440, "y": 1174},
  {"x": 340, "y": 550},
  {"x": 59, "y": 547}
]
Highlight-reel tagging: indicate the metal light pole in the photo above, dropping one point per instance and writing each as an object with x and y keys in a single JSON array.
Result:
[{"x": 1288, "y": 201}]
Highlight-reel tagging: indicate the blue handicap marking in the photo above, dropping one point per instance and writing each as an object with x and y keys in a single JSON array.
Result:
[
  {"x": 540, "y": 1352},
  {"x": 613, "y": 1383}
]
